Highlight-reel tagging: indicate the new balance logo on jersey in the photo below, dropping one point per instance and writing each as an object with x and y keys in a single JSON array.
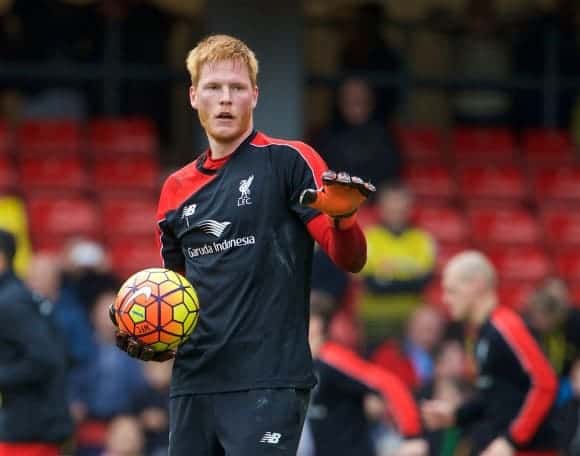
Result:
[
  {"x": 245, "y": 184},
  {"x": 187, "y": 212},
  {"x": 213, "y": 227},
  {"x": 271, "y": 437}
]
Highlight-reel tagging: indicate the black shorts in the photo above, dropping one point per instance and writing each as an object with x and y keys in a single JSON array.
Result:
[{"x": 259, "y": 422}]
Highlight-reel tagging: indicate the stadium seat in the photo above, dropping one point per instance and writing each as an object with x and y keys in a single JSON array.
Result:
[
  {"x": 128, "y": 216},
  {"x": 557, "y": 183},
  {"x": 62, "y": 216},
  {"x": 133, "y": 136},
  {"x": 8, "y": 175},
  {"x": 55, "y": 137},
  {"x": 507, "y": 226},
  {"x": 125, "y": 173},
  {"x": 561, "y": 225},
  {"x": 444, "y": 223},
  {"x": 568, "y": 264},
  {"x": 515, "y": 294},
  {"x": 368, "y": 214},
  {"x": 133, "y": 253},
  {"x": 447, "y": 250},
  {"x": 420, "y": 143},
  {"x": 5, "y": 139},
  {"x": 540, "y": 145},
  {"x": 482, "y": 144},
  {"x": 489, "y": 182},
  {"x": 52, "y": 172},
  {"x": 524, "y": 263},
  {"x": 430, "y": 180}
]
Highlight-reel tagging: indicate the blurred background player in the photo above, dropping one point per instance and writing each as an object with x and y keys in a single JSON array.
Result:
[
  {"x": 352, "y": 395},
  {"x": 516, "y": 384},
  {"x": 33, "y": 363},
  {"x": 247, "y": 208}
]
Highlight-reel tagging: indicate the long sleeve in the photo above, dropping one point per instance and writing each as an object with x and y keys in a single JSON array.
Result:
[
  {"x": 29, "y": 350},
  {"x": 347, "y": 248}
]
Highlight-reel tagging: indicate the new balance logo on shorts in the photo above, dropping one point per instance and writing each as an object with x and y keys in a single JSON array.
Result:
[{"x": 271, "y": 437}]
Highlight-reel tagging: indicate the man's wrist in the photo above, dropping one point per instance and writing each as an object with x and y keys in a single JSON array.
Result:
[{"x": 344, "y": 222}]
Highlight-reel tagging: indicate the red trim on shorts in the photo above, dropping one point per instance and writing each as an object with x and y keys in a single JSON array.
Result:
[{"x": 29, "y": 449}]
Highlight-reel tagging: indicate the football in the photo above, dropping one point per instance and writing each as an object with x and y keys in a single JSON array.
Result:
[{"x": 157, "y": 306}]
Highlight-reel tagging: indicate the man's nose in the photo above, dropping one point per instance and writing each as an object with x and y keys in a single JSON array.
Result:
[{"x": 226, "y": 97}]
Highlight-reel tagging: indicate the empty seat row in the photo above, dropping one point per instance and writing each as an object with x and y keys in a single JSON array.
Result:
[
  {"x": 100, "y": 136},
  {"x": 425, "y": 143}
]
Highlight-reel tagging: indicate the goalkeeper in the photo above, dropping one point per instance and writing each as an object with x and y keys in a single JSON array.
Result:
[{"x": 240, "y": 222}]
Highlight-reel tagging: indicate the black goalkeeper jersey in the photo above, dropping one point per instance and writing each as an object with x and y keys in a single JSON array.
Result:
[{"x": 240, "y": 235}]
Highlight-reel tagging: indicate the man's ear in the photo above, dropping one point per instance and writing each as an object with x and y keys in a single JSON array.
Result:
[
  {"x": 193, "y": 97},
  {"x": 255, "y": 97}
]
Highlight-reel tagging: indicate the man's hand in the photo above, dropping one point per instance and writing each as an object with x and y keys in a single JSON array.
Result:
[
  {"x": 413, "y": 447},
  {"x": 438, "y": 414},
  {"x": 499, "y": 447},
  {"x": 340, "y": 197},
  {"x": 134, "y": 347}
]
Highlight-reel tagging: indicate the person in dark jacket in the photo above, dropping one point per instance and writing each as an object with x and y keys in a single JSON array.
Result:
[
  {"x": 516, "y": 385},
  {"x": 34, "y": 415}
]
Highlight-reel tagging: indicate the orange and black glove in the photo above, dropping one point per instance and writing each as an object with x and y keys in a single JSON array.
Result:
[
  {"x": 134, "y": 347},
  {"x": 340, "y": 197}
]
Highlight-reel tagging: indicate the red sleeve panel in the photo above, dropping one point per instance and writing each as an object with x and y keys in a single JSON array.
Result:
[
  {"x": 398, "y": 398},
  {"x": 543, "y": 382},
  {"x": 347, "y": 248}
]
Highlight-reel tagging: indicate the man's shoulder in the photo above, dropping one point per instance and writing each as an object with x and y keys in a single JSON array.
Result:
[
  {"x": 181, "y": 173},
  {"x": 263, "y": 140}
]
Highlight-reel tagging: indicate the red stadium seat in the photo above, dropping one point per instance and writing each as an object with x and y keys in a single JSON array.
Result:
[
  {"x": 5, "y": 139},
  {"x": 526, "y": 263},
  {"x": 515, "y": 226},
  {"x": 42, "y": 137},
  {"x": 557, "y": 183},
  {"x": 53, "y": 172},
  {"x": 420, "y": 143},
  {"x": 128, "y": 216},
  {"x": 483, "y": 144},
  {"x": 126, "y": 173},
  {"x": 444, "y": 223},
  {"x": 133, "y": 136},
  {"x": 568, "y": 264},
  {"x": 63, "y": 216},
  {"x": 430, "y": 181},
  {"x": 368, "y": 214},
  {"x": 131, "y": 254},
  {"x": 488, "y": 182},
  {"x": 548, "y": 145},
  {"x": 8, "y": 176},
  {"x": 515, "y": 294},
  {"x": 561, "y": 225},
  {"x": 447, "y": 250}
]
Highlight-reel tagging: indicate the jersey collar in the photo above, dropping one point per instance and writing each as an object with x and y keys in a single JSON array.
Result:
[{"x": 206, "y": 165}]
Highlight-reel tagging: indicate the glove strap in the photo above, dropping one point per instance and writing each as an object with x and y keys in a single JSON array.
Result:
[{"x": 345, "y": 221}]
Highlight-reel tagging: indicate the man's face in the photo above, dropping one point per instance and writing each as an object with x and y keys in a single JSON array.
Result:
[
  {"x": 458, "y": 294},
  {"x": 224, "y": 99},
  {"x": 395, "y": 208}
]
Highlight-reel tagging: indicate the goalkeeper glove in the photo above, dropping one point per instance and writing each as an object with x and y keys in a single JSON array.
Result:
[
  {"x": 134, "y": 347},
  {"x": 340, "y": 197}
]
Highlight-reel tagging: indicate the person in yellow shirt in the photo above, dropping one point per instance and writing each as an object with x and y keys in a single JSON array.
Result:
[{"x": 400, "y": 263}]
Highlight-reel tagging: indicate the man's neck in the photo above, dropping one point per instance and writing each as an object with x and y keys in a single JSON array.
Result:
[
  {"x": 483, "y": 309},
  {"x": 219, "y": 149}
]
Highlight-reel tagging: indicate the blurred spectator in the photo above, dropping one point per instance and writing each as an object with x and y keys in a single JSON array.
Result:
[
  {"x": 154, "y": 417},
  {"x": 544, "y": 33},
  {"x": 125, "y": 437},
  {"x": 569, "y": 417},
  {"x": 366, "y": 51},
  {"x": 13, "y": 218},
  {"x": 97, "y": 399},
  {"x": 481, "y": 52},
  {"x": 557, "y": 325},
  {"x": 44, "y": 277},
  {"x": 412, "y": 360},
  {"x": 400, "y": 263},
  {"x": 34, "y": 407},
  {"x": 355, "y": 141}
]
